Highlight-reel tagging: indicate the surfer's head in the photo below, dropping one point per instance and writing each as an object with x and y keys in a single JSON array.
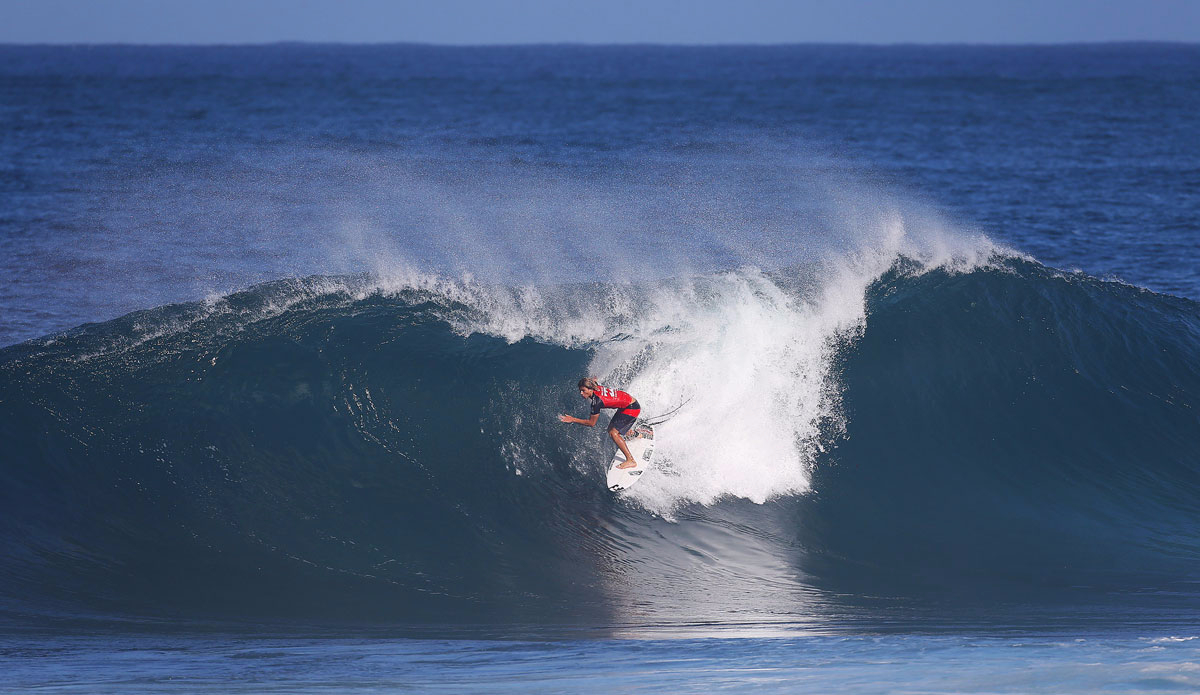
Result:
[{"x": 587, "y": 385}]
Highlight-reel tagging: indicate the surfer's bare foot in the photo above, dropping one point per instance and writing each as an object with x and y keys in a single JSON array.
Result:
[{"x": 627, "y": 464}]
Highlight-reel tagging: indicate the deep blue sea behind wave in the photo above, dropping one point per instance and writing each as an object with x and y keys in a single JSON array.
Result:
[{"x": 925, "y": 320}]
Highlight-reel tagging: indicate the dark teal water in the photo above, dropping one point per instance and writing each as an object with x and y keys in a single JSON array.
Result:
[{"x": 925, "y": 319}]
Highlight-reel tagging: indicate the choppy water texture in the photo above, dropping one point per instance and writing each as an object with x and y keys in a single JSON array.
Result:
[
  {"x": 226, "y": 664},
  {"x": 924, "y": 319}
]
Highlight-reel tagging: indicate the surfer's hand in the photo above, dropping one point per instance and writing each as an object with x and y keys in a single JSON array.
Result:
[{"x": 565, "y": 418}]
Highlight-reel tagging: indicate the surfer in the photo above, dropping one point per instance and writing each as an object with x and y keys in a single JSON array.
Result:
[{"x": 627, "y": 413}]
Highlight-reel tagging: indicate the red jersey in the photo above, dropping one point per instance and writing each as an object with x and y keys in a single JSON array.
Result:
[{"x": 605, "y": 397}]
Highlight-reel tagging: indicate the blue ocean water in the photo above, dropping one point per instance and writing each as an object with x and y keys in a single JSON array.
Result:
[
  {"x": 926, "y": 664},
  {"x": 287, "y": 328}
]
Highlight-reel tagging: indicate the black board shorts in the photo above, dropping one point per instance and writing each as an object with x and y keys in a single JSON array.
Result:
[{"x": 623, "y": 420}]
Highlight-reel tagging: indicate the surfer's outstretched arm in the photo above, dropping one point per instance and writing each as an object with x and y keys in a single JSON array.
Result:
[{"x": 590, "y": 422}]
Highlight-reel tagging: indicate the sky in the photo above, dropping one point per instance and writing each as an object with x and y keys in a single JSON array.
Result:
[{"x": 588, "y": 21}]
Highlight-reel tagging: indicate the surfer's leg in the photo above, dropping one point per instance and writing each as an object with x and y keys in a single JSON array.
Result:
[{"x": 620, "y": 441}]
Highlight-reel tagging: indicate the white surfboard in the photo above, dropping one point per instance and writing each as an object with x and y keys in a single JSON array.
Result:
[{"x": 640, "y": 441}]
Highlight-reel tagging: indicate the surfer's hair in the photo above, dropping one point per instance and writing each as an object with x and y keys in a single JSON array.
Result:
[{"x": 589, "y": 382}]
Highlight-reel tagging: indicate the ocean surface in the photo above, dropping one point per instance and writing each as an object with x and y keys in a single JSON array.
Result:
[{"x": 286, "y": 330}]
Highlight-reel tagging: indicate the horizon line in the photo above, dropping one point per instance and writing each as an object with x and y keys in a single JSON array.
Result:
[{"x": 591, "y": 44}]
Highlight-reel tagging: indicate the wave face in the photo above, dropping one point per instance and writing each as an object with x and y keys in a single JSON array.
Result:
[
  {"x": 359, "y": 450},
  {"x": 1019, "y": 425}
]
